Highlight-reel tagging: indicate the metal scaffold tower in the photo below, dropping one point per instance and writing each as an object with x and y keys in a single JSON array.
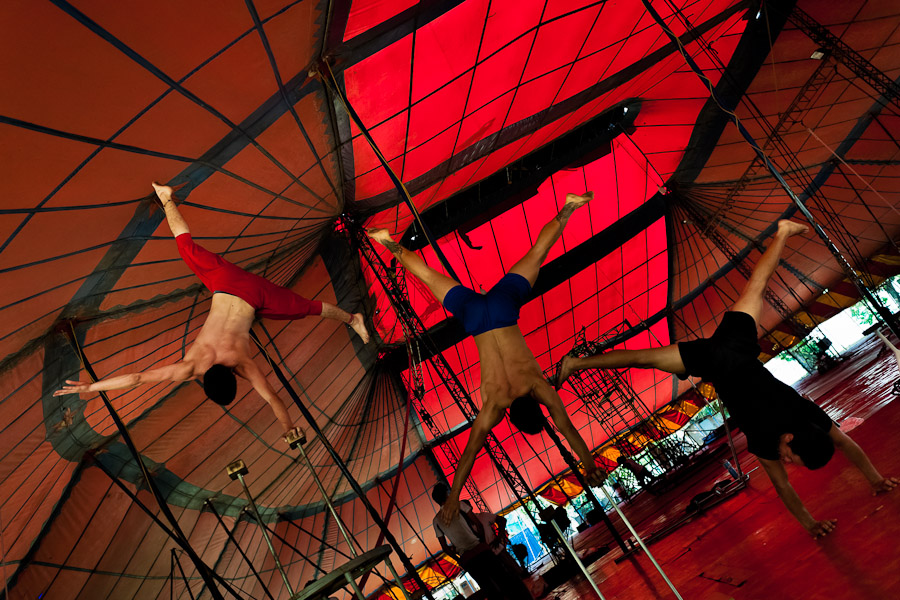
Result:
[{"x": 609, "y": 399}]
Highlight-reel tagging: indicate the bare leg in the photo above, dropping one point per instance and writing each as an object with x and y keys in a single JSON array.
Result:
[
  {"x": 167, "y": 196},
  {"x": 667, "y": 359},
  {"x": 751, "y": 299},
  {"x": 437, "y": 282},
  {"x": 530, "y": 264},
  {"x": 355, "y": 320}
]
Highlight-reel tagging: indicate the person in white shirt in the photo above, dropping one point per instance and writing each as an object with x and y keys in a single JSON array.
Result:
[{"x": 465, "y": 539}]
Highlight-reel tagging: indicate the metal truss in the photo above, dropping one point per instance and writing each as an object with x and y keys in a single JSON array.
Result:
[{"x": 847, "y": 56}]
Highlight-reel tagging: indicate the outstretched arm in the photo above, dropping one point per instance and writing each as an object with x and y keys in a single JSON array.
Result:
[
  {"x": 180, "y": 371},
  {"x": 173, "y": 217},
  {"x": 546, "y": 395},
  {"x": 489, "y": 416},
  {"x": 856, "y": 455},
  {"x": 251, "y": 373},
  {"x": 778, "y": 475}
]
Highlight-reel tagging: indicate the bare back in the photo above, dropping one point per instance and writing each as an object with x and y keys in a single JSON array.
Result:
[
  {"x": 225, "y": 336},
  {"x": 508, "y": 368}
]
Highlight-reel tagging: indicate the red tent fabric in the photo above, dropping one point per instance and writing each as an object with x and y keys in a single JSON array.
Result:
[{"x": 228, "y": 99}]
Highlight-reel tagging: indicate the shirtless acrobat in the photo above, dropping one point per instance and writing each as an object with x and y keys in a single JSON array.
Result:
[
  {"x": 222, "y": 348},
  {"x": 510, "y": 375}
]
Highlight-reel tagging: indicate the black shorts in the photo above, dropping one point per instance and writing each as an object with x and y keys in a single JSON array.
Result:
[{"x": 732, "y": 346}]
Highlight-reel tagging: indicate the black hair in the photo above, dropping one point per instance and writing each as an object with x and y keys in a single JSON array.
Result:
[
  {"x": 440, "y": 493},
  {"x": 814, "y": 446},
  {"x": 220, "y": 384},
  {"x": 621, "y": 459},
  {"x": 526, "y": 414}
]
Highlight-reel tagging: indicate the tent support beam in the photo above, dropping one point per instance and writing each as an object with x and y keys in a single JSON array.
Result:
[
  {"x": 339, "y": 463},
  {"x": 573, "y": 466},
  {"x": 184, "y": 578},
  {"x": 570, "y": 460},
  {"x": 839, "y": 257}
]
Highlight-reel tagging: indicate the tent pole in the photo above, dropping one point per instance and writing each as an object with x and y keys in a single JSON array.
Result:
[
  {"x": 184, "y": 578},
  {"x": 311, "y": 420},
  {"x": 573, "y": 466},
  {"x": 567, "y": 456}
]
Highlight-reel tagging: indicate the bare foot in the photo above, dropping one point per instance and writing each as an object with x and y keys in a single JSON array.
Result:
[
  {"x": 383, "y": 237},
  {"x": 579, "y": 200},
  {"x": 164, "y": 192},
  {"x": 566, "y": 368},
  {"x": 379, "y": 234},
  {"x": 789, "y": 228},
  {"x": 358, "y": 324}
]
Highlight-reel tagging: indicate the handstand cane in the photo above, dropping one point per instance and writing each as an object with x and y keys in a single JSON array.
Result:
[
  {"x": 236, "y": 471},
  {"x": 310, "y": 419},
  {"x": 297, "y": 442}
]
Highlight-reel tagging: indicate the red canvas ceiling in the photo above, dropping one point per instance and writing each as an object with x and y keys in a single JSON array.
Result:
[{"x": 103, "y": 97}]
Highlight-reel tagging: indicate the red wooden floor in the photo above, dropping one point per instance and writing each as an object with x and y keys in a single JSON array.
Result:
[{"x": 750, "y": 547}]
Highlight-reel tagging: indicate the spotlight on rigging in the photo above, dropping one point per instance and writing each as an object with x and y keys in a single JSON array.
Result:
[{"x": 819, "y": 54}]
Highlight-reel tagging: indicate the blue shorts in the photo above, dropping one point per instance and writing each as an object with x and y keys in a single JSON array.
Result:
[{"x": 498, "y": 308}]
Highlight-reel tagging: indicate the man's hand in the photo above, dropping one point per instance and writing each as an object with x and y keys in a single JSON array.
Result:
[
  {"x": 821, "y": 528},
  {"x": 73, "y": 387},
  {"x": 450, "y": 510},
  {"x": 885, "y": 485},
  {"x": 594, "y": 476},
  {"x": 292, "y": 433}
]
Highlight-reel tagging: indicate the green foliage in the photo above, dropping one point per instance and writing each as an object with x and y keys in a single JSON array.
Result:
[
  {"x": 806, "y": 352},
  {"x": 861, "y": 314}
]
